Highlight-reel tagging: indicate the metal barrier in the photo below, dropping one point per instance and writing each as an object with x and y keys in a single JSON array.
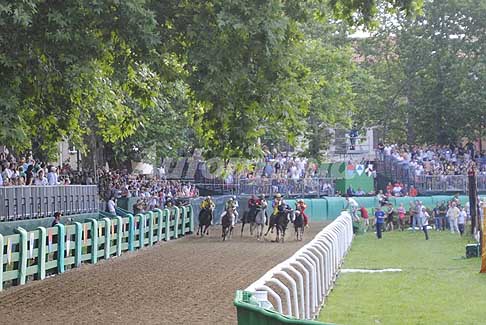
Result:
[
  {"x": 303, "y": 187},
  {"x": 28, "y": 202},
  {"x": 33, "y": 255},
  {"x": 299, "y": 285}
]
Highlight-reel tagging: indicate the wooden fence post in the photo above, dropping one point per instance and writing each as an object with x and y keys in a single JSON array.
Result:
[
  {"x": 61, "y": 234},
  {"x": 119, "y": 235},
  {"x": 78, "y": 244},
  {"x": 107, "y": 237},
  {"x": 131, "y": 232},
  {"x": 94, "y": 240},
  {"x": 22, "y": 254},
  {"x": 41, "y": 253},
  {"x": 167, "y": 224}
]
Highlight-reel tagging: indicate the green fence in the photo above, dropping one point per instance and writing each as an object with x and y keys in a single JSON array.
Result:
[
  {"x": 250, "y": 313},
  {"x": 32, "y": 255},
  {"x": 328, "y": 208}
]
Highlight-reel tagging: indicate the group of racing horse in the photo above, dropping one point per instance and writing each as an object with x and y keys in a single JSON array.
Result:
[{"x": 257, "y": 217}]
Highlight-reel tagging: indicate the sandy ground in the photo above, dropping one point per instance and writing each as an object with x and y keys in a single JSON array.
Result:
[{"x": 188, "y": 281}]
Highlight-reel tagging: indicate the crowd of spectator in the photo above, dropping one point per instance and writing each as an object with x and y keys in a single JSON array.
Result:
[
  {"x": 283, "y": 165},
  {"x": 435, "y": 160},
  {"x": 28, "y": 171},
  {"x": 154, "y": 192},
  {"x": 448, "y": 215}
]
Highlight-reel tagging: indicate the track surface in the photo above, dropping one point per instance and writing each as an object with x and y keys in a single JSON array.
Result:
[{"x": 188, "y": 281}]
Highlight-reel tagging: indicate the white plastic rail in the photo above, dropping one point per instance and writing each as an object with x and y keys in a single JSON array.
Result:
[{"x": 301, "y": 283}]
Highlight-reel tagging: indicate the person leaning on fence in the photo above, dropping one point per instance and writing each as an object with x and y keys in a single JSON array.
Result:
[
  {"x": 352, "y": 206},
  {"x": 111, "y": 205},
  {"x": 379, "y": 221}
]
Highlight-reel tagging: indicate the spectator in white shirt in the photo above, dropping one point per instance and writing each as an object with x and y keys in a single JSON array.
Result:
[
  {"x": 52, "y": 178},
  {"x": 40, "y": 180}
]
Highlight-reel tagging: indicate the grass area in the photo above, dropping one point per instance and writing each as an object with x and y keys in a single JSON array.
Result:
[{"x": 437, "y": 285}]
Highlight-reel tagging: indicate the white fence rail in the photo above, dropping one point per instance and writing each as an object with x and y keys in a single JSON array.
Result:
[{"x": 299, "y": 285}]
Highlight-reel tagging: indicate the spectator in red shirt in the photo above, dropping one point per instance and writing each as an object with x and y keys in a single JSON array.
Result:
[
  {"x": 413, "y": 191},
  {"x": 365, "y": 216}
]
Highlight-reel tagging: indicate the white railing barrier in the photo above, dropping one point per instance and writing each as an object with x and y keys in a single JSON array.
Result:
[{"x": 301, "y": 283}]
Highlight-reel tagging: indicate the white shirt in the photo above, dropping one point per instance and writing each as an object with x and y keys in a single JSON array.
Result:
[
  {"x": 40, "y": 182},
  {"x": 462, "y": 217},
  {"x": 111, "y": 207}
]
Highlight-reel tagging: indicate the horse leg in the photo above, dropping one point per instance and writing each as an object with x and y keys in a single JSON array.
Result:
[
  {"x": 231, "y": 232},
  {"x": 243, "y": 227}
]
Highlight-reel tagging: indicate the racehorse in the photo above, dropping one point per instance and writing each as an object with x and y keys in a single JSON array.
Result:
[
  {"x": 205, "y": 219},
  {"x": 282, "y": 222},
  {"x": 228, "y": 223},
  {"x": 279, "y": 221},
  {"x": 298, "y": 222},
  {"x": 260, "y": 220},
  {"x": 249, "y": 217}
]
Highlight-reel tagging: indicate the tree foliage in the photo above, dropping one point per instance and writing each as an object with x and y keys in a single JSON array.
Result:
[
  {"x": 429, "y": 74},
  {"x": 146, "y": 78}
]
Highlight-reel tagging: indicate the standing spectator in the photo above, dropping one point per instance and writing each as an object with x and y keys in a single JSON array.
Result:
[
  {"x": 365, "y": 216},
  {"x": 52, "y": 178},
  {"x": 443, "y": 215},
  {"x": 437, "y": 218},
  {"x": 389, "y": 217},
  {"x": 57, "y": 219},
  {"x": 40, "y": 180},
  {"x": 461, "y": 220},
  {"x": 401, "y": 216},
  {"x": 425, "y": 222},
  {"x": 417, "y": 215},
  {"x": 379, "y": 221},
  {"x": 453, "y": 215},
  {"x": 111, "y": 205},
  {"x": 29, "y": 175}
]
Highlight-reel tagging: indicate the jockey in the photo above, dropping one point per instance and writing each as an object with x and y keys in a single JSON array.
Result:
[
  {"x": 233, "y": 204},
  {"x": 252, "y": 202},
  {"x": 301, "y": 206},
  {"x": 208, "y": 204},
  {"x": 278, "y": 204}
]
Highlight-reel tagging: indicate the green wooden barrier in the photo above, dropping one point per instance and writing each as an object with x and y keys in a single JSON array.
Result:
[
  {"x": 141, "y": 230},
  {"x": 23, "y": 255},
  {"x": 25, "y": 259},
  {"x": 107, "y": 247},
  {"x": 167, "y": 224},
  {"x": 78, "y": 244},
  {"x": 158, "y": 215},
  {"x": 176, "y": 223},
  {"x": 61, "y": 240},
  {"x": 119, "y": 235},
  {"x": 131, "y": 232},
  {"x": 150, "y": 221},
  {"x": 191, "y": 219}
]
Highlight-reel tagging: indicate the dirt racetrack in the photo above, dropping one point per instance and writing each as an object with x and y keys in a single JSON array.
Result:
[{"x": 188, "y": 281}]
